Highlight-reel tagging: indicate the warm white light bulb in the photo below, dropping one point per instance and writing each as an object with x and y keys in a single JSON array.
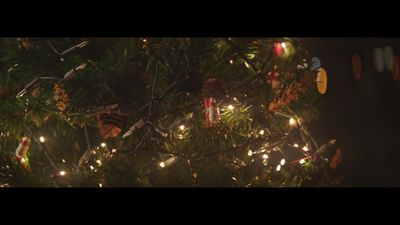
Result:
[
  {"x": 100, "y": 185},
  {"x": 63, "y": 160},
  {"x": 91, "y": 167},
  {"x": 98, "y": 162},
  {"x": 250, "y": 153},
  {"x": 103, "y": 145},
  {"x": 305, "y": 148},
  {"x": 41, "y": 139},
  {"x": 283, "y": 44},
  {"x": 295, "y": 145},
  {"x": 181, "y": 127},
  {"x": 302, "y": 161},
  {"x": 261, "y": 132},
  {"x": 292, "y": 121},
  {"x": 113, "y": 150},
  {"x": 62, "y": 173},
  {"x": 231, "y": 61},
  {"x": 162, "y": 164},
  {"x": 283, "y": 161},
  {"x": 265, "y": 156},
  {"x": 278, "y": 168},
  {"x": 230, "y": 107}
]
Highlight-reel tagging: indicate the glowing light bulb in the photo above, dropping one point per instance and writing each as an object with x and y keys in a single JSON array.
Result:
[
  {"x": 100, "y": 185},
  {"x": 62, "y": 173},
  {"x": 261, "y": 132},
  {"x": 98, "y": 162},
  {"x": 305, "y": 148},
  {"x": 103, "y": 144},
  {"x": 278, "y": 168},
  {"x": 295, "y": 145},
  {"x": 63, "y": 160},
  {"x": 230, "y": 107},
  {"x": 265, "y": 156},
  {"x": 22, "y": 160},
  {"x": 162, "y": 164},
  {"x": 302, "y": 161},
  {"x": 231, "y": 61},
  {"x": 181, "y": 127},
  {"x": 41, "y": 139},
  {"x": 292, "y": 121},
  {"x": 283, "y": 161},
  {"x": 113, "y": 151},
  {"x": 91, "y": 167},
  {"x": 250, "y": 153},
  {"x": 235, "y": 99},
  {"x": 283, "y": 45}
]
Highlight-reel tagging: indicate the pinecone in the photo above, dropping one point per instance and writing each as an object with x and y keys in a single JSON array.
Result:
[
  {"x": 60, "y": 97},
  {"x": 110, "y": 124}
]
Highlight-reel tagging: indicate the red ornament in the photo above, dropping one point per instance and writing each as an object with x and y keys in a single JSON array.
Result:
[
  {"x": 274, "y": 78},
  {"x": 211, "y": 111},
  {"x": 277, "y": 48}
]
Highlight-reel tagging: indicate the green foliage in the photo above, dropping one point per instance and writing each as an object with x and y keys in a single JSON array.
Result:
[{"x": 158, "y": 80}]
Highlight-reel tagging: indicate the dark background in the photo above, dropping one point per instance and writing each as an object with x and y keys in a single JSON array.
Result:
[{"x": 362, "y": 115}]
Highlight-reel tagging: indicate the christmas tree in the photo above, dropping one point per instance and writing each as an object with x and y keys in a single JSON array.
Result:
[{"x": 148, "y": 112}]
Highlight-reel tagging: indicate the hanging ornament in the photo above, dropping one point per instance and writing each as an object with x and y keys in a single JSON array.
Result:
[
  {"x": 277, "y": 49},
  {"x": 315, "y": 63},
  {"x": 322, "y": 81},
  {"x": 211, "y": 91},
  {"x": 357, "y": 68},
  {"x": 21, "y": 153},
  {"x": 274, "y": 78},
  {"x": 388, "y": 56},
  {"x": 60, "y": 97},
  {"x": 378, "y": 60},
  {"x": 396, "y": 68},
  {"x": 110, "y": 124}
]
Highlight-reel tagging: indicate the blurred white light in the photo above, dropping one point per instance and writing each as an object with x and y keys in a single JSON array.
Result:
[
  {"x": 302, "y": 161},
  {"x": 230, "y": 107},
  {"x": 261, "y": 132},
  {"x": 278, "y": 168},
  {"x": 41, "y": 139},
  {"x": 162, "y": 164},
  {"x": 292, "y": 121},
  {"x": 283, "y": 44},
  {"x": 103, "y": 144},
  {"x": 62, "y": 173},
  {"x": 250, "y": 153},
  {"x": 181, "y": 127},
  {"x": 305, "y": 148},
  {"x": 265, "y": 156},
  {"x": 283, "y": 161}
]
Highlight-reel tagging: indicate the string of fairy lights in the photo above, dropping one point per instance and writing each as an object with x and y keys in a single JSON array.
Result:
[{"x": 183, "y": 129}]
